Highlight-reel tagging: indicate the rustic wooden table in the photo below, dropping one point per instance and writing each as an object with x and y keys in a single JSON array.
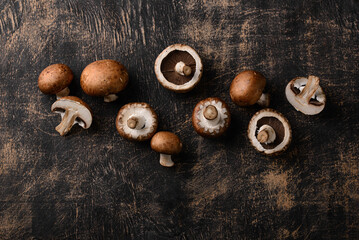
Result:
[{"x": 93, "y": 184}]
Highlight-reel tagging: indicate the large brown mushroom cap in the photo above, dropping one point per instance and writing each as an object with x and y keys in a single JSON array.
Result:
[
  {"x": 166, "y": 68},
  {"x": 55, "y": 78},
  {"x": 166, "y": 143},
  {"x": 145, "y": 119},
  {"x": 247, "y": 87},
  {"x": 104, "y": 77}
]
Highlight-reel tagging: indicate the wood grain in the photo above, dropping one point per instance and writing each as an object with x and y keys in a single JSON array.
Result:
[{"x": 92, "y": 184}]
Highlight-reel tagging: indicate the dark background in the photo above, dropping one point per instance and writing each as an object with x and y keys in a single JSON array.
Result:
[{"x": 93, "y": 184}]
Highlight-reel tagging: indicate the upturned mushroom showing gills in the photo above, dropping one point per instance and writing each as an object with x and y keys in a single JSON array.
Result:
[
  {"x": 136, "y": 121},
  {"x": 167, "y": 144},
  {"x": 73, "y": 111},
  {"x": 247, "y": 89},
  {"x": 306, "y": 95},
  {"x": 104, "y": 78},
  {"x": 178, "y": 68},
  {"x": 269, "y": 132},
  {"x": 211, "y": 117},
  {"x": 55, "y": 79}
]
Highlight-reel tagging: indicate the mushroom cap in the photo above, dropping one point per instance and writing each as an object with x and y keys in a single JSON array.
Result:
[
  {"x": 149, "y": 120},
  {"x": 55, "y": 78},
  {"x": 208, "y": 128},
  {"x": 168, "y": 58},
  {"x": 104, "y": 77},
  {"x": 314, "y": 106},
  {"x": 279, "y": 123},
  {"x": 75, "y": 104},
  {"x": 247, "y": 87},
  {"x": 166, "y": 143}
]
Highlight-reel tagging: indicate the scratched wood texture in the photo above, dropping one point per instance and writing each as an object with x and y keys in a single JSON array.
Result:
[{"x": 92, "y": 184}]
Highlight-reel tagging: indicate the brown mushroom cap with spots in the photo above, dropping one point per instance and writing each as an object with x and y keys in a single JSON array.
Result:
[
  {"x": 269, "y": 132},
  {"x": 104, "y": 78},
  {"x": 179, "y": 68},
  {"x": 136, "y": 121},
  {"x": 247, "y": 89},
  {"x": 211, "y": 117},
  {"x": 73, "y": 111},
  {"x": 55, "y": 79},
  {"x": 305, "y": 95},
  {"x": 167, "y": 144}
]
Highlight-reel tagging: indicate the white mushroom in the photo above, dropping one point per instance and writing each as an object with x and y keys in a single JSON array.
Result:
[
  {"x": 211, "y": 117},
  {"x": 305, "y": 95},
  {"x": 136, "y": 121},
  {"x": 73, "y": 111},
  {"x": 178, "y": 68},
  {"x": 269, "y": 132}
]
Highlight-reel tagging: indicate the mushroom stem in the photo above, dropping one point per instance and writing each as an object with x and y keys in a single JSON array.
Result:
[
  {"x": 263, "y": 136},
  {"x": 110, "y": 98},
  {"x": 182, "y": 69},
  {"x": 264, "y": 100},
  {"x": 166, "y": 160},
  {"x": 132, "y": 122},
  {"x": 266, "y": 134},
  {"x": 309, "y": 90},
  {"x": 63, "y": 93},
  {"x": 67, "y": 122},
  {"x": 210, "y": 112}
]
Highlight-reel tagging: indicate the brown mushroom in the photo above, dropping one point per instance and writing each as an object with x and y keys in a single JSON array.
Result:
[
  {"x": 306, "y": 95},
  {"x": 211, "y": 117},
  {"x": 73, "y": 111},
  {"x": 167, "y": 144},
  {"x": 179, "y": 68},
  {"x": 247, "y": 89},
  {"x": 136, "y": 121},
  {"x": 104, "y": 78},
  {"x": 55, "y": 79},
  {"x": 269, "y": 132}
]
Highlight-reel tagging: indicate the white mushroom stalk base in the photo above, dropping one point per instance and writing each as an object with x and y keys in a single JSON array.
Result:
[
  {"x": 264, "y": 100},
  {"x": 110, "y": 98},
  {"x": 182, "y": 69},
  {"x": 266, "y": 134},
  {"x": 136, "y": 122},
  {"x": 68, "y": 120},
  {"x": 166, "y": 160},
  {"x": 309, "y": 90},
  {"x": 63, "y": 93}
]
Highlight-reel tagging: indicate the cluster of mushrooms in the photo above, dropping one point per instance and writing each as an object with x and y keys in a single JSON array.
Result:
[{"x": 179, "y": 68}]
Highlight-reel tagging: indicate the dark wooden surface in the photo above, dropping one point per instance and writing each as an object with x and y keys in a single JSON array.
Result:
[{"x": 92, "y": 184}]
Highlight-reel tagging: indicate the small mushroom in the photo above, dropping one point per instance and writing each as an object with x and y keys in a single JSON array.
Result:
[
  {"x": 211, "y": 117},
  {"x": 136, "y": 121},
  {"x": 178, "y": 68},
  {"x": 73, "y": 110},
  {"x": 104, "y": 78},
  {"x": 55, "y": 79},
  {"x": 306, "y": 95},
  {"x": 269, "y": 132},
  {"x": 247, "y": 89},
  {"x": 167, "y": 144}
]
